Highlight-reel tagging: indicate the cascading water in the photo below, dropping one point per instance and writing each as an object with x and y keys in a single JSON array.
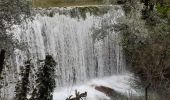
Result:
[{"x": 84, "y": 48}]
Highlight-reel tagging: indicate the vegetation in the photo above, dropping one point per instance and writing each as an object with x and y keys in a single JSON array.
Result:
[
  {"x": 79, "y": 96},
  {"x": 45, "y": 80},
  {"x": 163, "y": 10},
  {"x": 22, "y": 86},
  {"x": 146, "y": 45},
  {"x": 10, "y": 13}
]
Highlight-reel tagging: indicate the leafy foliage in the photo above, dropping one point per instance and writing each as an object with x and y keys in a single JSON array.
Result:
[
  {"x": 11, "y": 12},
  {"x": 46, "y": 80},
  {"x": 163, "y": 11},
  {"x": 22, "y": 86},
  {"x": 146, "y": 46}
]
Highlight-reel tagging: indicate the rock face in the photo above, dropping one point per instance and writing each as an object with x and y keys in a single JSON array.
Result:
[{"x": 110, "y": 92}]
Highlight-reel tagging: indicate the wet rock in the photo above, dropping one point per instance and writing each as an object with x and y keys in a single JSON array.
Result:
[{"x": 110, "y": 92}]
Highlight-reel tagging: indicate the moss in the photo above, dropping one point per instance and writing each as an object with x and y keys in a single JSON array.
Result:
[{"x": 163, "y": 11}]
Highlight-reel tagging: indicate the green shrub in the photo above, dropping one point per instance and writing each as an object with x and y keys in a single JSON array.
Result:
[{"x": 163, "y": 11}]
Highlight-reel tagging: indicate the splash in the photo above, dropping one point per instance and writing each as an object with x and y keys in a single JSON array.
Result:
[{"x": 119, "y": 83}]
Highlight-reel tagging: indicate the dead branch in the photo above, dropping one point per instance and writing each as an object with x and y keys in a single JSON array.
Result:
[{"x": 79, "y": 96}]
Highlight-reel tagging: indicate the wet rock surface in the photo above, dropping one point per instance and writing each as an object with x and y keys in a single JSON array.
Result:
[{"x": 110, "y": 93}]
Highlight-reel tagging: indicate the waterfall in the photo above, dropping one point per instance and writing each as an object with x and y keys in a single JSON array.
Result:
[
  {"x": 84, "y": 44},
  {"x": 76, "y": 44}
]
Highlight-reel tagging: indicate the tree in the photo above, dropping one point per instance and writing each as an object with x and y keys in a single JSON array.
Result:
[
  {"x": 146, "y": 46},
  {"x": 22, "y": 86},
  {"x": 45, "y": 80},
  {"x": 11, "y": 12}
]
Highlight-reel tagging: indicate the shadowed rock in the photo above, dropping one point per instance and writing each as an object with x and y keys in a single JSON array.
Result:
[{"x": 2, "y": 58}]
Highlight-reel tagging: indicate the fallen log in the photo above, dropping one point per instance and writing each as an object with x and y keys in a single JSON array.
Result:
[
  {"x": 106, "y": 90},
  {"x": 110, "y": 92}
]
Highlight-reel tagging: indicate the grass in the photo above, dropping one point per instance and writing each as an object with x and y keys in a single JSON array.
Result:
[{"x": 64, "y": 3}]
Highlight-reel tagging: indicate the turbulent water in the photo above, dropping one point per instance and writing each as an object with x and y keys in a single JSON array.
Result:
[
  {"x": 84, "y": 45},
  {"x": 120, "y": 83}
]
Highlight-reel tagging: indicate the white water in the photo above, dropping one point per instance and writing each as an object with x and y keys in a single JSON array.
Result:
[
  {"x": 120, "y": 83},
  {"x": 79, "y": 55}
]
